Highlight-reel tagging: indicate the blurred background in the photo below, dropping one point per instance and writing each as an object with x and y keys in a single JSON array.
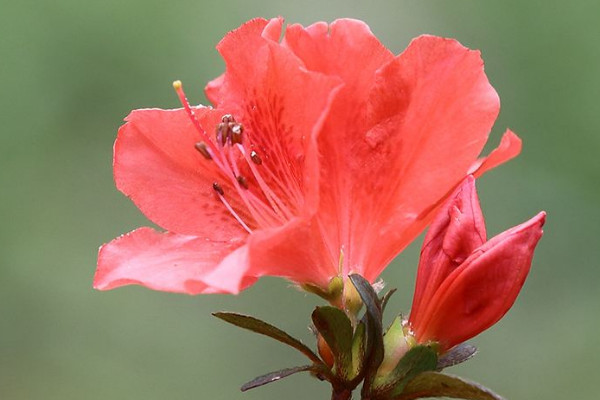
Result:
[{"x": 71, "y": 70}]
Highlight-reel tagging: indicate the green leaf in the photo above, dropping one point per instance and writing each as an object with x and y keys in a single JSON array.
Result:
[
  {"x": 275, "y": 376},
  {"x": 335, "y": 327},
  {"x": 436, "y": 384},
  {"x": 258, "y": 326},
  {"x": 456, "y": 355},
  {"x": 415, "y": 361},
  {"x": 374, "y": 347}
]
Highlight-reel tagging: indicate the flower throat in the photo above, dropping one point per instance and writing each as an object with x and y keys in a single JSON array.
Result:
[{"x": 263, "y": 204}]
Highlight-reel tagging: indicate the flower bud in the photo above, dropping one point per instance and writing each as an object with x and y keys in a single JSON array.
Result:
[{"x": 325, "y": 351}]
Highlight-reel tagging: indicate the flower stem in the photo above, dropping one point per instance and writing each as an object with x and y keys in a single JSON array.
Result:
[{"x": 343, "y": 394}]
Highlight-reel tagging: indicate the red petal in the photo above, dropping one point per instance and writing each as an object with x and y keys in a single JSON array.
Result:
[
  {"x": 238, "y": 48},
  {"x": 157, "y": 166},
  {"x": 213, "y": 88},
  {"x": 509, "y": 147},
  {"x": 428, "y": 118},
  {"x": 345, "y": 48},
  {"x": 241, "y": 49},
  {"x": 266, "y": 88},
  {"x": 295, "y": 251},
  {"x": 477, "y": 294},
  {"x": 172, "y": 263},
  {"x": 458, "y": 229}
]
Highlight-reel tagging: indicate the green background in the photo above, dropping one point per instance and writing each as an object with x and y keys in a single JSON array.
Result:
[{"x": 71, "y": 70}]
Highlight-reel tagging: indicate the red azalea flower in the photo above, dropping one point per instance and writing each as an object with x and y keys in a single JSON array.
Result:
[
  {"x": 330, "y": 156},
  {"x": 465, "y": 283}
]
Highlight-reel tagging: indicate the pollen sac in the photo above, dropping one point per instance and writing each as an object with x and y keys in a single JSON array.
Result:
[
  {"x": 221, "y": 133},
  {"x": 218, "y": 188},
  {"x": 202, "y": 149},
  {"x": 242, "y": 181},
  {"x": 255, "y": 157},
  {"x": 236, "y": 130},
  {"x": 227, "y": 118},
  {"x": 229, "y": 131}
]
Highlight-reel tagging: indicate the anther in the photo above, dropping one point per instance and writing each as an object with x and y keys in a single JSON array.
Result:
[
  {"x": 218, "y": 188},
  {"x": 222, "y": 133},
  {"x": 242, "y": 181},
  {"x": 255, "y": 157},
  {"x": 202, "y": 149},
  {"x": 236, "y": 131},
  {"x": 227, "y": 118}
]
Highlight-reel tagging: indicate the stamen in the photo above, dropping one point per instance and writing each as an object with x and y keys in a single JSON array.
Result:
[
  {"x": 242, "y": 181},
  {"x": 177, "y": 85},
  {"x": 278, "y": 206},
  {"x": 202, "y": 149},
  {"x": 231, "y": 210},
  {"x": 255, "y": 157},
  {"x": 218, "y": 188},
  {"x": 236, "y": 131}
]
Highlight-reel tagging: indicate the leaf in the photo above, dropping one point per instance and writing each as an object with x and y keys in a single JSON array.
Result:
[
  {"x": 275, "y": 376},
  {"x": 374, "y": 347},
  {"x": 258, "y": 326},
  {"x": 436, "y": 384},
  {"x": 335, "y": 327},
  {"x": 456, "y": 355},
  {"x": 417, "y": 360},
  {"x": 386, "y": 298}
]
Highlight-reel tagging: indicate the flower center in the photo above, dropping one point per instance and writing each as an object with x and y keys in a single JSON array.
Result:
[{"x": 260, "y": 205}]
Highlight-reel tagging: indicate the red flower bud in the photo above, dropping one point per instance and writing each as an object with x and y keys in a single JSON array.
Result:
[
  {"x": 325, "y": 351},
  {"x": 465, "y": 284}
]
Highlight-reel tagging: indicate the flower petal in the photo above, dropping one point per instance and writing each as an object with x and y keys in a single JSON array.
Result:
[
  {"x": 266, "y": 87},
  {"x": 427, "y": 120},
  {"x": 346, "y": 48},
  {"x": 157, "y": 166},
  {"x": 459, "y": 228},
  {"x": 292, "y": 252},
  {"x": 249, "y": 38},
  {"x": 509, "y": 147},
  {"x": 172, "y": 263},
  {"x": 478, "y": 293},
  {"x": 212, "y": 89}
]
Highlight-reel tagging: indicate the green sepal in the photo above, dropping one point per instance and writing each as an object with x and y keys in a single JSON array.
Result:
[
  {"x": 436, "y": 384},
  {"x": 395, "y": 346},
  {"x": 417, "y": 360},
  {"x": 258, "y": 326},
  {"x": 358, "y": 349},
  {"x": 374, "y": 328},
  {"x": 277, "y": 375},
  {"x": 456, "y": 355},
  {"x": 335, "y": 327},
  {"x": 333, "y": 291}
]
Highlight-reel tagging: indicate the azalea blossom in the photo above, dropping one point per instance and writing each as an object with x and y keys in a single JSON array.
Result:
[
  {"x": 323, "y": 155},
  {"x": 466, "y": 283}
]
